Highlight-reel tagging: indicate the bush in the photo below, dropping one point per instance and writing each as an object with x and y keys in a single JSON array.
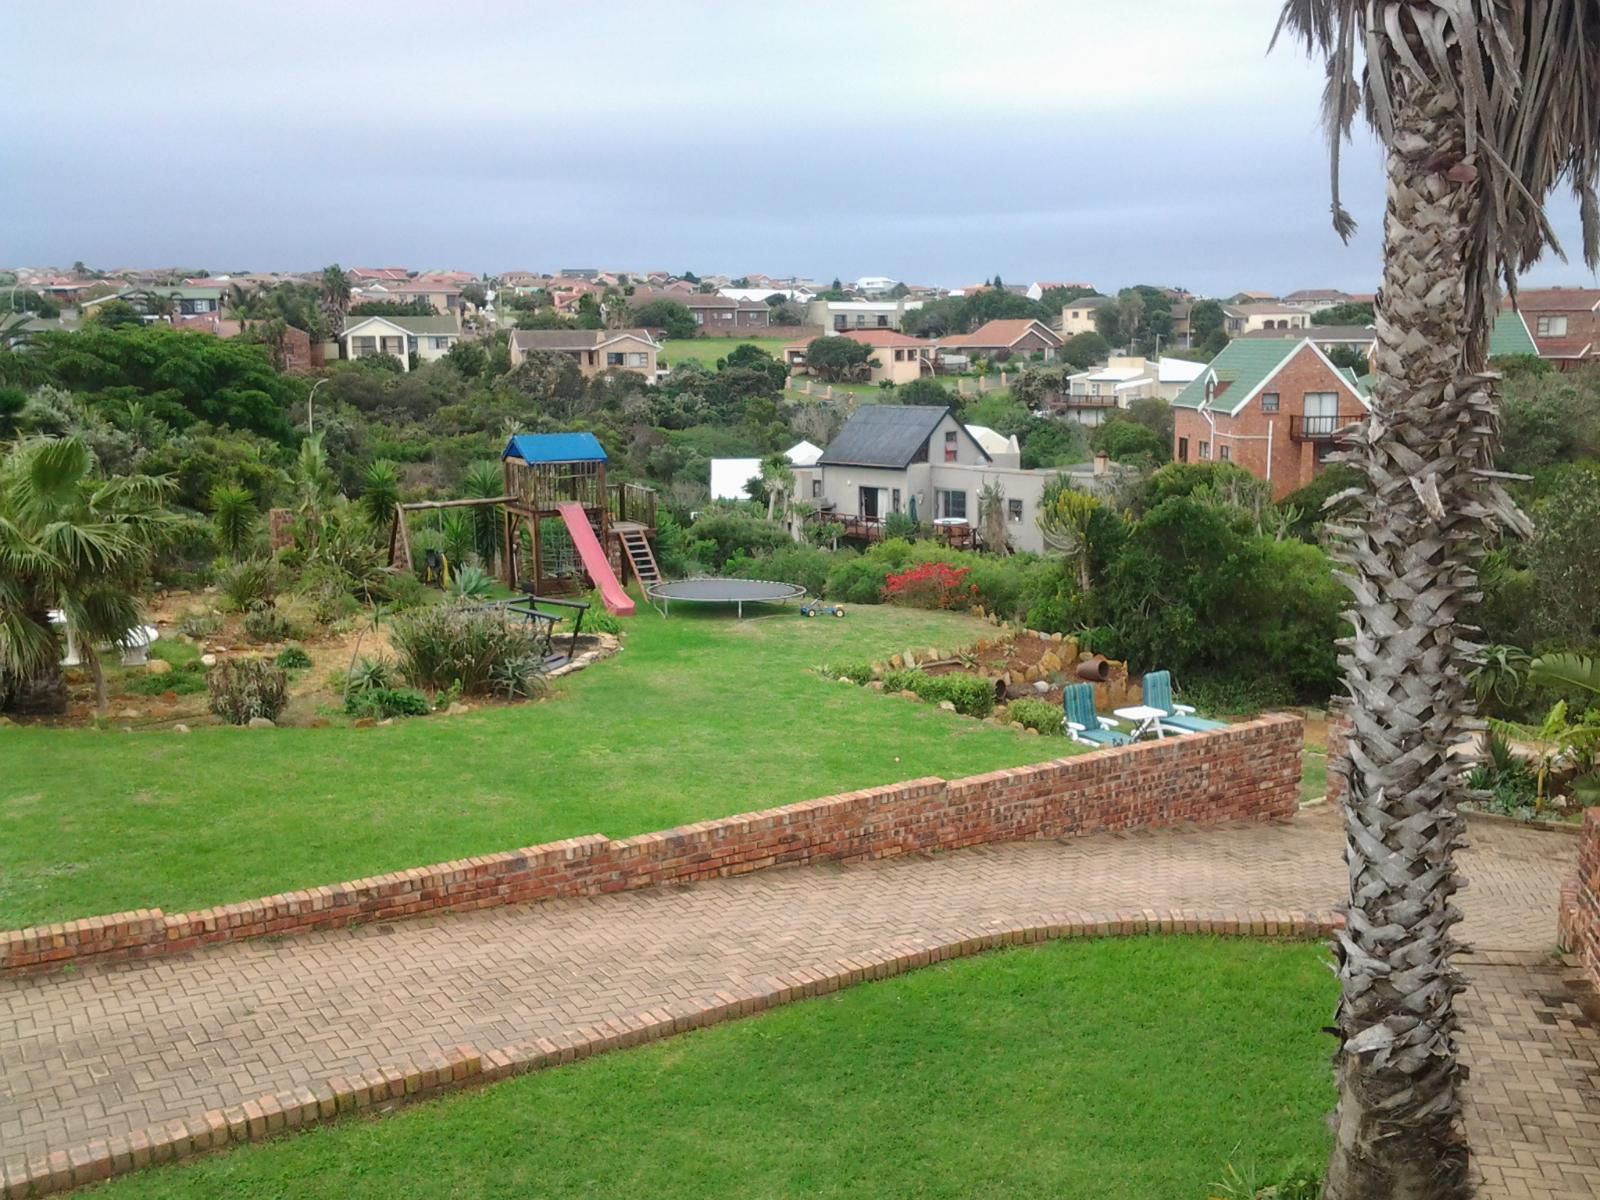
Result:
[
  {"x": 249, "y": 583},
  {"x": 471, "y": 583},
  {"x": 242, "y": 688},
  {"x": 858, "y": 673},
  {"x": 181, "y": 683},
  {"x": 266, "y": 625},
  {"x": 731, "y": 532},
  {"x": 600, "y": 619},
  {"x": 293, "y": 658},
  {"x": 803, "y": 565},
  {"x": 931, "y": 585},
  {"x": 199, "y": 623},
  {"x": 1035, "y": 714},
  {"x": 899, "y": 525},
  {"x": 481, "y": 649},
  {"x": 387, "y": 702},
  {"x": 857, "y": 580},
  {"x": 972, "y": 696}
]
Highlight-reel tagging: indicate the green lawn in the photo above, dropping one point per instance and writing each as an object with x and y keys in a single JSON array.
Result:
[
  {"x": 708, "y": 350},
  {"x": 1111, "y": 1070},
  {"x": 700, "y": 716}
]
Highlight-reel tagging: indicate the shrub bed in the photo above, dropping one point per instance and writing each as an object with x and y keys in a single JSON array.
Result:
[
  {"x": 971, "y": 696},
  {"x": 1040, "y": 715},
  {"x": 244, "y": 688}
]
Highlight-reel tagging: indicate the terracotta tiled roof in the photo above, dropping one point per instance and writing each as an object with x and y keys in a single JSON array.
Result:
[
  {"x": 884, "y": 337},
  {"x": 1531, "y": 300},
  {"x": 1002, "y": 333}
]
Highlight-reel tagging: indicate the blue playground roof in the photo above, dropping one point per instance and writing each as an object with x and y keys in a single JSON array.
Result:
[{"x": 555, "y": 448}]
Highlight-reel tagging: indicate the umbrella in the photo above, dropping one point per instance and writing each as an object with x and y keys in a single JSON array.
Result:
[{"x": 913, "y": 510}]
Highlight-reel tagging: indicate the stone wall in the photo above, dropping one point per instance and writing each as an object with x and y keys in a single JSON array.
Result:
[
  {"x": 1250, "y": 771},
  {"x": 1580, "y": 902}
]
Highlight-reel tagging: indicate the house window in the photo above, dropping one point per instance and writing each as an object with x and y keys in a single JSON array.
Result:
[
  {"x": 950, "y": 505},
  {"x": 362, "y": 347},
  {"x": 894, "y": 500},
  {"x": 1551, "y": 327},
  {"x": 883, "y": 322},
  {"x": 615, "y": 358},
  {"x": 899, "y": 356},
  {"x": 638, "y": 360},
  {"x": 1322, "y": 413},
  {"x": 1183, "y": 449},
  {"x": 441, "y": 343},
  {"x": 1224, "y": 452},
  {"x": 1205, "y": 451},
  {"x": 1014, "y": 512},
  {"x": 411, "y": 344},
  {"x": 1269, "y": 401},
  {"x": 950, "y": 446},
  {"x": 699, "y": 317},
  {"x": 816, "y": 489},
  {"x": 1325, "y": 451}
]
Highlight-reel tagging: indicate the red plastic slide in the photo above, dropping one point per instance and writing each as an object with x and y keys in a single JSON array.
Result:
[{"x": 594, "y": 559}]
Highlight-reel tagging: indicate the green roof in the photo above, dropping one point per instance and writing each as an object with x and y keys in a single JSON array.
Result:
[
  {"x": 1243, "y": 364},
  {"x": 1510, "y": 336}
]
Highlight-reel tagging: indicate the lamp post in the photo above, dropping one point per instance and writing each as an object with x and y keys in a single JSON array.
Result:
[{"x": 309, "y": 428}]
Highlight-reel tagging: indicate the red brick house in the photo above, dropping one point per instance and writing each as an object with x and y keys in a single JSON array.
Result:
[
  {"x": 1004, "y": 339},
  {"x": 1271, "y": 407},
  {"x": 1564, "y": 322}
]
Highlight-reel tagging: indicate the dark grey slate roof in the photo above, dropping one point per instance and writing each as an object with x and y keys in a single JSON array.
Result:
[{"x": 886, "y": 435}]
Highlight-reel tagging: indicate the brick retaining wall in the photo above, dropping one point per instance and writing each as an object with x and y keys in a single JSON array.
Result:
[
  {"x": 1250, "y": 771},
  {"x": 1580, "y": 902}
]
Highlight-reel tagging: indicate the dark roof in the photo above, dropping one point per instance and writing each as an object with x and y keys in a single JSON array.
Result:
[
  {"x": 555, "y": 448},
  {"x": 887, "y": 435}
]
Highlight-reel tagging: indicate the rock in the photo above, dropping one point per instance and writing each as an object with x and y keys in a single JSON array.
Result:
[
  {"x": 1041, "y": 686},
  {"x": 169, "y": 697},
  {"x": 457, "y": 708},
  {"x": 896, "y": 662},
  {"x": 947, "y": 705},
  {"x": 1055, "y": 637},
  {"x": 1030, "y": 732},
  {"x": 909, "y": 695},
  {"x": 995, "y": 721},
  {"x": 208, "y": 660},
  {"x": 387, "y": 721},
  {"x": 364, "y": 723},
  {"x": 157, "y": 666},
  {"x": 875, "y": 686},
  {"x": 262, "y": 723},
  {"x": 1016, "y": 725},
  {"x": 128, "y": 713},
  {"x": 317, "y": 723},
  {"x": 931, "y": 655},
  {"x": 1048, "y": 662},
  {"x": 180, "y": 729}
]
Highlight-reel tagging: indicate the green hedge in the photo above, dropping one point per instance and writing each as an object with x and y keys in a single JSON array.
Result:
[
  {"x": 972, "y": 696},
  {"x": 1035, "y": 714}
]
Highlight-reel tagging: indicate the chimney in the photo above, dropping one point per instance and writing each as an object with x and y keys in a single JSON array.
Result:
[{"x": 1102, "y": 463}]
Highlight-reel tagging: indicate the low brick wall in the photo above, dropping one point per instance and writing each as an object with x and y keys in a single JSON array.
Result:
[
  {"x": 1338, "y": 764},
  {"x": 1580, "y": 902},
  {"x": 1250, "y": 771}
]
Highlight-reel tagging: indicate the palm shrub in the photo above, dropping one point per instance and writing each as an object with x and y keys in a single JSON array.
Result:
[
  {"x": 266, "y": 624},
  {"x": 243, "y": 688},
  {"x": 482, "y": 650},
  {"x": 73, "y": 542},
  {"x": 380, "y": 492},
  {"x": 235, "y": 517},
  {"x": 248, "y": 584},
  {"x": 371, "y": 674},
  {"x": 484, "y": 481}
]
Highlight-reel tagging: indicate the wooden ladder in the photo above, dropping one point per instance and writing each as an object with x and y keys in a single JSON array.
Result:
[{"x": 637, "y": 547}]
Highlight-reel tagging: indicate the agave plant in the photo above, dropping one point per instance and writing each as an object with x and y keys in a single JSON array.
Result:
[{"x": 471, "y": 583}]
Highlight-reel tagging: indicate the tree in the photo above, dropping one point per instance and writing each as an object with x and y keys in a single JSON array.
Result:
[
  {"x": 335, "y": 298},
  {"x": 836, "y": 359},
  {"x": 1206, "y": 321},
  {"x": 924, "y": 391},
  {"x": 235, "y": 517},
  {"x": 1340, "y": 314},
  {"x": 116, "y": 314},
  {"x": 75, "y": 543},
  {"x": 669, "y": 315},
  {"x": 1482, "y": 108},
  {"x": 992, "y": 518},
  {"x": 777, "y": 479},
  {"x": 1066, "y": 519},
  {"x": 474, "y": 294},
  {"x": 1353, "y": 357},
  {"x": 1083, "y": 350},
  {"x": 380, "y": 492}
]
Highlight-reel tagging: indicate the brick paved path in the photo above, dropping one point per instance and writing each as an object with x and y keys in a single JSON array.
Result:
[{"x": 118, "y": 1048}]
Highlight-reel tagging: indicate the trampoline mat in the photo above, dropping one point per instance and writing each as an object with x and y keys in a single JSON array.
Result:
[{"x": 726, "y": 590}]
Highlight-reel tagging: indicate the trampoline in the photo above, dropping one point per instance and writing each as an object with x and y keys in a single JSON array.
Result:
[{"x": 738, "y": 592}]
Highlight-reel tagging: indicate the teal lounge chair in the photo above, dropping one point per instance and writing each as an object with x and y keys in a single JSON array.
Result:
[
  {"x": 1180, "y": 718},
  {"x": 1080, "y": 721}
]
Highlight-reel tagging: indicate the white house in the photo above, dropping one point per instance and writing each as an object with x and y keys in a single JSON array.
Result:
[
  {"x": 876, "y": 285},
  {"x": 429, "y": 338},
  {"x": 729, "y": 476}
]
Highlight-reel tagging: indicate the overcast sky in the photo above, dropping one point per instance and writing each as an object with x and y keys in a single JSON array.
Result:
[{"x": 938, "y": 141}]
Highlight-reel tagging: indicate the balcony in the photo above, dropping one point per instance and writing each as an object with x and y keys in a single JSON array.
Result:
[{"x": 1315, "y": 429}]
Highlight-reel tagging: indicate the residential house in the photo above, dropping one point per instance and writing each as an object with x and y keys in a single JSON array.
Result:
[
  {"x": 1270, "y": 406},
  {"x": 793, "y": 295},
  {"x": 1001, "y": 340},
  {"x": 921, "y": 460},
  {"x": 1244, "y": 318},
  {"x": 1003, "y": 451},
  {"x": 1175, "y": 374},
  {"x": 1508, "y": 335},
  {"x": 876, "y": 285},
  {"x": 896, "y": 358},
  {"x": 713, "y": 312},
  {"x": 595, "y": 350},
  {"x": 441, "y": 294},
  {"x": 1252, "y": 298},
  {"x": 363, "y": 275},
  {"x": 1564, "y": 322},
  {"x": 1182, "y": 333},
  {"x": 1078, "y": 316},
  {"x": 295, "y": 352},
  {"x": 429, "y": 338},
  {"x": 185, "y": 301},
  {"x": 1091, "y": 396},
  {"x": 731, "y": 477},
  {"x": 839, "y": 315},
  {"x": 1316, "y": 299},
  {"x": 1037, "y": 290}
]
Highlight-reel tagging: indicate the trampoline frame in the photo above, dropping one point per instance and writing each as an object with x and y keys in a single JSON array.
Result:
[{"x": 794, "y": 592}]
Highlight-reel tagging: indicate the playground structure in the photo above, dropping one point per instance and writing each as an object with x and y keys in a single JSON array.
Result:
[{"x": 560, "y": 521}]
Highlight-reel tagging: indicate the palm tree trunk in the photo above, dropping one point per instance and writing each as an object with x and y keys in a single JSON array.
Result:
[{"x": 1411, "y": 564}]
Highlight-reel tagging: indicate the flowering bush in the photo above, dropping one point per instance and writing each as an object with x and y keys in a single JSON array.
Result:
[{"x": 931, "y": 585}]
